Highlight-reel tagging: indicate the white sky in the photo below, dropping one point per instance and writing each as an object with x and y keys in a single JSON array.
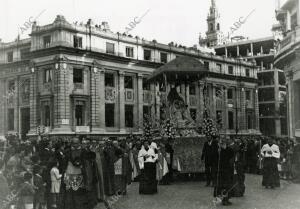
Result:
[{"x": 180, "y": 21}]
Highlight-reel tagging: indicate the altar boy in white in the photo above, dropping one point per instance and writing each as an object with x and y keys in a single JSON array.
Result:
[
  {"x": 270, "y": 153},
  {"x": 147, "y": 162}
]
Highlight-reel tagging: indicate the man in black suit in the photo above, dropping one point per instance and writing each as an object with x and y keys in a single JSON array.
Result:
[{"x": 210, "y": 157}]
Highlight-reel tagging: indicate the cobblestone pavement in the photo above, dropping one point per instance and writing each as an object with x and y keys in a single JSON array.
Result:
[{"x": 194, "y": 195}]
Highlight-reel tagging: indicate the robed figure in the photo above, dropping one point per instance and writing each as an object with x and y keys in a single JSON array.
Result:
[
  {"x": 224, "y": 175},
  {"x": 271, "y": 154},
  {"x": 210, "y": 158},
  {"x": 147, "y": 162}
]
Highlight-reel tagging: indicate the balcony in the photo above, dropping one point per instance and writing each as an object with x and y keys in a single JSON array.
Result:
[{"x": 287, "y": 46}]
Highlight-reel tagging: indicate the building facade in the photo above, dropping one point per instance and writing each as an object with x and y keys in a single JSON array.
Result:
[
  {"x": 71, "y": 79},
  {"x": 287, "y": 58},
  {"x": 271, "y": 89}
]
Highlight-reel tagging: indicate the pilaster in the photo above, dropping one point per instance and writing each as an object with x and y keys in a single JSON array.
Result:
[
  {"x": 140, "y": 101},
  {"x": 121, "y": 102}
]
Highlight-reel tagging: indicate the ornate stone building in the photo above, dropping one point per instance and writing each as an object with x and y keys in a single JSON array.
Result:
[
  {"x": 287, "y": 58},
  {"x": 84, "y": 79}
]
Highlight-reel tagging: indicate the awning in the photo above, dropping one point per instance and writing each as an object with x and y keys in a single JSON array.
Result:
[{"x": 179, "y": 70}]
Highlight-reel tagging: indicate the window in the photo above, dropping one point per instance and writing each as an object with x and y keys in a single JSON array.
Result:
[
  {"x": 247, "y": 72},
  {"x": 230, "y": 70},
  {"x": 46, "y": 114},
  {"x": 219, "y": 68},
  {"x": 211, "y": 27},
  {"x": 77, "y": 75},
  {"x": 47, "y": 41},
  {"x": 248, "y": 95},
  {"x": 47, "y": 75},
  {"x": 230, "y": 120},
  {"x": 249, "y": 120},
  {"x": 206, "y": 65},
  {"x": 77, "y": 41},
  {"x": 163, "y": 57},
  {"x": 192, "y": 89},
  {"x": 146, "y": 84},
  {"x": 109, "y": 115},
  {"x": 11, "y": 119},
  {"x": 128, "y": 82},
  {"x": 79, "y": 114},
  {"x": 129, "y": 51},
  {"x": 129, "y": 116},
  {"x": 10, "y": 56},
  {"x": 109, "y": 80},
  {"x": 110, "y": 48},
  {"x": 24, "y": 53},
  {"x": 193, "y": 113},
  {"x": 147, "y": 54},
  {"x": 230, "y": 94}
]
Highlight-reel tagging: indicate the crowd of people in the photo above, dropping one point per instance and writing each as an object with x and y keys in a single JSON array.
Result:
[
  {"x": 227, "y": 160},
  {"x": 78, "y": 172}
]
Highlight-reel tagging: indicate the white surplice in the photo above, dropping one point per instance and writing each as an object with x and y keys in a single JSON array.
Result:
[
  {"x": 151, "y": 159},
  {"x": 273, "y": 148}
]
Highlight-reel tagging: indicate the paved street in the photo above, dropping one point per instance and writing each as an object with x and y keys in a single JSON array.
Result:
[{"x": 194, "y": 195}]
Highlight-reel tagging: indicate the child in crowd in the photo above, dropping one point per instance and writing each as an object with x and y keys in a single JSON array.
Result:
[{"x": 55, "y": 184}]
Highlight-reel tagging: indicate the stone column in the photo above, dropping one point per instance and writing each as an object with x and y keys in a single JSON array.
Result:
[
  {"x": 251, "y": 49},
  {"x": 225, "y": 110},
  {"x": 237, "y": 105},
  {"x": 201, "y": 101},
  {"x": 242, "y": 119},
  {"x": 198, "y": 98},
  {"x": 153, "y": 100},
  {"x": 256, "y": 109},
  {"x": 237, "y": 51},
  {"x": 140, "y": 101},
  {"x": 213, "y": 101},
  {"x": 157, "y": 105},
  {"x": 277, "y": 104},
  {"x": 183, "y": 93},
  {"x": 17, "y": 107},
  {"x": 101, "y": 90},
  {"x": 226, "y": 52},
  {"x": 121, "y": 102},
  {"x": 187, "y": 94},
  {"x": 33, "y": 103},
  {"x": 62, "y": 113},
  {"x": 95, "y": 96}
]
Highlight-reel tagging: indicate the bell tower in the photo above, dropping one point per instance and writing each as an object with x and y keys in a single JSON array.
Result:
[{"x": 213, "y": 34}]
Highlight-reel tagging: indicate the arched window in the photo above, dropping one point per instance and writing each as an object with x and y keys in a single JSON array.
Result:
[{"x": 211, "y": 26}]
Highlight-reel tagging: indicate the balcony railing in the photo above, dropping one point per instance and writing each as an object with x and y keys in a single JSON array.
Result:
[{"x": 290, "y": 38}]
